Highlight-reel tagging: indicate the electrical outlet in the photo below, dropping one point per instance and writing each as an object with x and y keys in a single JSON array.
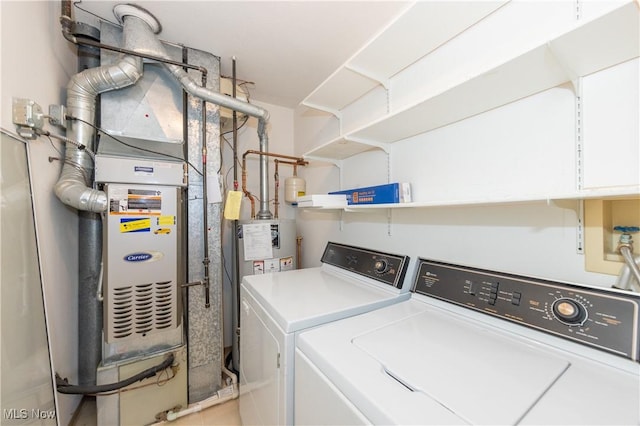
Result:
[{"x": 27, "y": 113}]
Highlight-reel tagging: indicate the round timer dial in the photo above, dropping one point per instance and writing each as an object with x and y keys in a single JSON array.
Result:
[
  {"x": 569, "y": 311},
  {"x": 381, "y": 266}
]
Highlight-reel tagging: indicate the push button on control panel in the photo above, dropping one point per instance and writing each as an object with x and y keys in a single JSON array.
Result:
[
  {"x": 472, "y": 288},
  {"x": 515, "y": 298},
  {"x": 493, "y": 295}
]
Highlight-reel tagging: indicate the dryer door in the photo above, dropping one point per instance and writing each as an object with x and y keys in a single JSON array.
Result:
[{"x": 260, "y": 387}]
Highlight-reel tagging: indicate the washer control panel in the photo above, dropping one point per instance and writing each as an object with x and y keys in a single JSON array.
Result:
[
  {"x": 601, "y": 318},
  {"x": 384, "y": 267}
]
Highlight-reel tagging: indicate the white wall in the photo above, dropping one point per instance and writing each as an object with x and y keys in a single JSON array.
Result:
[
  {"x": 526, "y": 149},
  {"x": 36, "y": 64},
  {"x": 530, "y": 143}
]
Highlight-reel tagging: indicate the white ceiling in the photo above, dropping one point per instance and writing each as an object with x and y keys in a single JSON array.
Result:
[{"x": 286, "y": 48}]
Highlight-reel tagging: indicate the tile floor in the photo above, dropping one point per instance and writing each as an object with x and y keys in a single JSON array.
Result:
[{"x": 224, "y": 414}]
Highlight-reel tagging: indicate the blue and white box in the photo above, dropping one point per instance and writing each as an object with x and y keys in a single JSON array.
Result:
[{"x": 398, "y": 192}]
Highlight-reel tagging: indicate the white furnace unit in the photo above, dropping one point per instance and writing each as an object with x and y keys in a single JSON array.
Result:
[
  {"x": 142, "y": 270},
  {"x": 142, "y": 254}
]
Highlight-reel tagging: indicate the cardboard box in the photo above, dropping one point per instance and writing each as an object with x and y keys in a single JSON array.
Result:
[
  {"x": 380, "y": 194},
  {"x": 322, "y": 200}
]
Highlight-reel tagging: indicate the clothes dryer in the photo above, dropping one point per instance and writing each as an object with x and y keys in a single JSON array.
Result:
[{"x": 276, "y": 307}]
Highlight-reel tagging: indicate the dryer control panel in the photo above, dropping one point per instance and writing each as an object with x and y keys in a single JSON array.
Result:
[
  {"x": 601, "y": 318},
  {"x": 384, "y": 267}
]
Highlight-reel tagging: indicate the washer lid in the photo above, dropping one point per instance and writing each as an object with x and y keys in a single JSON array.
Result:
[{"x": 482, "y": 376}]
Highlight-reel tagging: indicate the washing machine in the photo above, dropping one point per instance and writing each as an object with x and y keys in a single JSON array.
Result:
[
  {"x": 472, "y": 346},
  {"x": 276, "y": 307}
]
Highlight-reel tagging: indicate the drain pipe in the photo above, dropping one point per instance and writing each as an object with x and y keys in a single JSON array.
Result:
[{"x": 89, "y": 252}]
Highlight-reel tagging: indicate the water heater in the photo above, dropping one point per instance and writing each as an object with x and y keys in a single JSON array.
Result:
[{"x": 267, "y": 246}]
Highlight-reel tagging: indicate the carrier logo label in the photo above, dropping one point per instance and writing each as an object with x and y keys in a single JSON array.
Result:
[{"x": 143, "y": 257}]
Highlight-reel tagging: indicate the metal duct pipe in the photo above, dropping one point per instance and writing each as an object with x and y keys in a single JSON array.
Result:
[
  {"x": 149, "y": 44},
  {"x": 139, "y": 36},
  {"x": 72, "y": 187},
  {"x": 89, "y": 252}
]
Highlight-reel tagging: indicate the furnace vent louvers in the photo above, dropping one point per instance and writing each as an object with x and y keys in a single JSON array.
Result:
[
  {"x": 164, "y": 302},
  {"x": 122, "y": 312},
  {"x": 142, "y": 309}
]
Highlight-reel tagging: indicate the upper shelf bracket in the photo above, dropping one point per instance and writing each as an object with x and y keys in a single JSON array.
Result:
[
  {"x": 385, "y": 82},
  {"x": 324, "y": 108},
  {"x": 379, "y": 145},
  {"x": 337, "y": 163},
  {"x": 572, "y": 76}
]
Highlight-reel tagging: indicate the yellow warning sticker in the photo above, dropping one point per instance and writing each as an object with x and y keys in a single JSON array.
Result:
[
  {"x": 167, "y": 220},
  {"x": 135, "y": 225}
]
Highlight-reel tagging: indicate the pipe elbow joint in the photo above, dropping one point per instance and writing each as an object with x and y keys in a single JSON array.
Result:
[
  {"x": 80, "y": 197},
  {"x": 130, "y": 71},
  {"x": 262, "y": 124}
]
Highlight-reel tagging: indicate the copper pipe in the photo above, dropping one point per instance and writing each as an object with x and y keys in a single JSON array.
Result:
[
  {"x": 244, "y": 188},
  {"x": 298, "y": 161},
  {"x": 295, "y": 164}
]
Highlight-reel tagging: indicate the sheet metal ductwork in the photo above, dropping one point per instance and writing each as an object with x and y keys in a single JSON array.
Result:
[
  {"x": 73, "y": 186},
  {"x": 140, "y": 29}
]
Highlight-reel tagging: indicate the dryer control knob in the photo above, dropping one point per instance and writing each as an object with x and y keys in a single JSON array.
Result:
[
  {"x": 381, "y": 266},
  {"x": 569, "y": 311}
]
